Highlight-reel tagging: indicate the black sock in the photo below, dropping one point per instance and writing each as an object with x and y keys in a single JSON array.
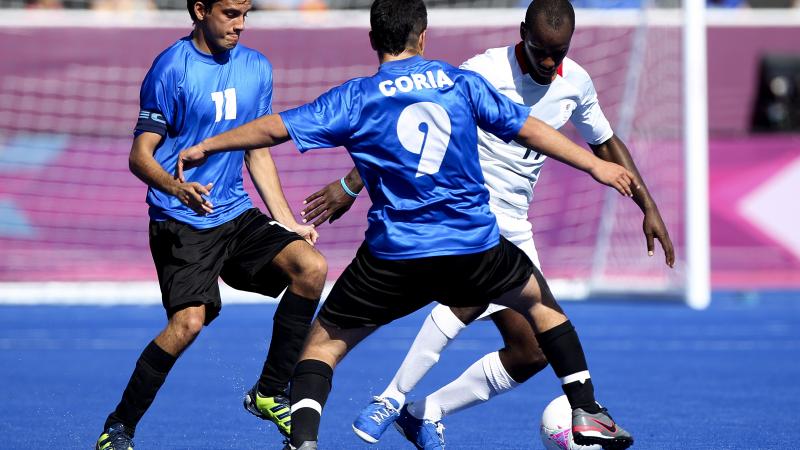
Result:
[
  {"x": 151, "y": 370},
  {"x": 563, "y": 350},
  {"x": 290, "y": 326},
  {"x": 311, "y": 383}
]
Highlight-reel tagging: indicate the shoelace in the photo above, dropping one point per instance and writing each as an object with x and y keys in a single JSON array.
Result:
[
  {"x": 439, "y": 428},
  {"x": 440, "y": 432},
  {"x": 120, "y": 441},
  {"x": 604, "y": 411},
  {"x": 386, "y": 403}
]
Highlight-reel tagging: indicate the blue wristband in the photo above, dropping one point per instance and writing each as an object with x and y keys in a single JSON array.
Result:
[{"x": 347, "y": 189}]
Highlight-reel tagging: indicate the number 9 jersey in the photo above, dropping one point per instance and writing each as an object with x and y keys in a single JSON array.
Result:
[{"x": 411, "y": 130}]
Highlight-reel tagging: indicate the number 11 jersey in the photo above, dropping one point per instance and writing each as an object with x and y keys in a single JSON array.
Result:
[{"x": 411, "y": 130}]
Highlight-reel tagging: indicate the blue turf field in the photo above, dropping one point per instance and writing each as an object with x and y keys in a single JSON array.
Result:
[{"x": 726, "y": 378}]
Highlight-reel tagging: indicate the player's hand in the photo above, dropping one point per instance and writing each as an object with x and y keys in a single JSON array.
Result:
[
  {"x": 329, "y": 203},
  {"x": 615, "y": 176},
  {"x": 654, "y": 228},
  {"x": 307, "y": 232},
  {"x": 191, "y": 157},
  {"x": 191, "y": 195}
]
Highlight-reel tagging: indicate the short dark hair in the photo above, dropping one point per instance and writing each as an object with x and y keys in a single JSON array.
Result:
[
  {"x": 207, "y": 4},
  {"x": 396, "y": 24},
  {"x": 556, "y": 13}
]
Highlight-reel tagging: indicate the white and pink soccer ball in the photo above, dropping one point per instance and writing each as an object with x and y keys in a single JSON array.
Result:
[{"x": 556, "y": 427}]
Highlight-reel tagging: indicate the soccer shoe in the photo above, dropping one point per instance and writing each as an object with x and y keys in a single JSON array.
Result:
[
  {"x": 307, "y": 445},
  {"x": 375, "y": 418},
  {"x": 600, "y": 429},
  {"x": 276, "y": 409},
  {"x": 424, "y": 434},
  {"x": 116, "y": 437}
]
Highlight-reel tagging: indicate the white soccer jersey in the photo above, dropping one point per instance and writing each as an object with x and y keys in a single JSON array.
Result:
[{"x": 510, "y": 170}]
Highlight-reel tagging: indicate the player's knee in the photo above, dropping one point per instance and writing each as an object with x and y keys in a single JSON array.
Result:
[
  {"x": 188, "y": 326},
  {"x": 525, "y": 363},
  {"x": 317, "y": 269},
  {"x": 468, "y": 314},
  {"x": 309, "y": 274}
]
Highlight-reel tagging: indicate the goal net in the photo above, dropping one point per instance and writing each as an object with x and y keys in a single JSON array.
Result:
[{"x": 71, "y": 211}]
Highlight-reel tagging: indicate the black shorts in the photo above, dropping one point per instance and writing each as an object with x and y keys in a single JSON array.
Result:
[
  {"x": 189, "y": 261},
  {"x": 373, "y": 292}
]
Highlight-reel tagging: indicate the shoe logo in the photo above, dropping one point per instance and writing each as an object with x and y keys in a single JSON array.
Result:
[
  {"x": 381, "y": 415},
  {"x": 611, "y": 428}
]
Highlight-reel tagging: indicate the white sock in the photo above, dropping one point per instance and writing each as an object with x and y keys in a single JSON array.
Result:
[
  {"x": 481, "y": 381},
  {"x": 439, "y": 329}
]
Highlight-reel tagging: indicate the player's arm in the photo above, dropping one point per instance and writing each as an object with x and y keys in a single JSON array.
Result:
[
  {"x": 266, "y": 131},
  {"x": 142, "y": 164},
  {"x": 614, "y": 150},
  {"x": 540, "y": 137},
  {"x": 332, "y": 201},
  {"x": 264, "y": 174}
]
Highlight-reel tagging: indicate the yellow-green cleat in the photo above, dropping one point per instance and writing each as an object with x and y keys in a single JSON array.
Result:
[
  {"x": 276, "y": 409},
  {"x": 116, "y": 437}
]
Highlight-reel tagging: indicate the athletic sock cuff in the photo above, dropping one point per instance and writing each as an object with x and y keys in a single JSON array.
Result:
[
  {"x": 157, "y": 358},
  {"x": 446, "y": 321},
  {"x": 313, "y": 367},
  {"x": 554, "y": 333},
  {"x": 295, "y": 307},
  {"x": 496, "y": 373}
]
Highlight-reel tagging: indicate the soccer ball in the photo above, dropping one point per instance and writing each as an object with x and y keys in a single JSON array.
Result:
[{"x": 556, "y": 427}]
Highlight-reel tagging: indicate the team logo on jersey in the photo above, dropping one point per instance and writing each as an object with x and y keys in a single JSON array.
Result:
[{"x": 567, "y": 106}]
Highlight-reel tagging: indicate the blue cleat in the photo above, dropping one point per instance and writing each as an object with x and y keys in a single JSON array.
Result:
[
  {"x": 375, "y": 418},
  {"x": 424, "y": 434}
]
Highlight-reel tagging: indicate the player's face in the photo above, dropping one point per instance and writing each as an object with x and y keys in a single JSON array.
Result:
[
  {"x": 545, "y": 48},
  {"x": 224, "y": 23}
]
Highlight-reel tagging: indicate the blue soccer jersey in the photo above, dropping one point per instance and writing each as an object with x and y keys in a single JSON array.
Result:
[
  {"x": 411, "y": 130},
  {"x": 188, "y": 96}
]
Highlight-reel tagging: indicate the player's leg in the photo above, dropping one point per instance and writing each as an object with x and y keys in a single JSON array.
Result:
[
  {"x": 371, "y": 292},
  {"x": 311, "y": 382},
  {"x": 265, "y": 257},
  {"x": 560, "y": 344},
  {"x": 306, "y": 271},
  {"x": 471, "y": 279},
  {"x": 188, "y": 262},
  {"x": 440, "y": 327},
  {"x": 494, "y": 374}
]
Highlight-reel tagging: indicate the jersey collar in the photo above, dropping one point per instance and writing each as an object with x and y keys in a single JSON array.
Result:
[
  {"x": 400, "y": 63},
  {"x": 523, "y": 65},
  {"x": 220, "y": 58}
]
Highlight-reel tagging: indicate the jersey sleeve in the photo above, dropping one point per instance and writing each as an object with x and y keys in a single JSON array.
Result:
[
  {"x": 494, "y": 112},
  {"x": 157, "y": 103},
  {"x": 480, "y": 64},
  {"x": 323, "y": 123},
  {"x": 588, "y": 117},
  {"x": 265, "y": 101}
]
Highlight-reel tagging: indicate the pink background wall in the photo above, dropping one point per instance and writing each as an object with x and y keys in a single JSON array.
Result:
[{"x": 69, "y": 209}]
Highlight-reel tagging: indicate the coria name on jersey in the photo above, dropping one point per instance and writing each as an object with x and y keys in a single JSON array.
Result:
[{"x": 415, "y": 81}]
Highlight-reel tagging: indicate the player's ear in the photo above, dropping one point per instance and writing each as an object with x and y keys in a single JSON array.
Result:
[
  {"x": 522, "y": 31},
  {"x": 422, "y": 42},
  {"x": 199, "y": 11}
]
